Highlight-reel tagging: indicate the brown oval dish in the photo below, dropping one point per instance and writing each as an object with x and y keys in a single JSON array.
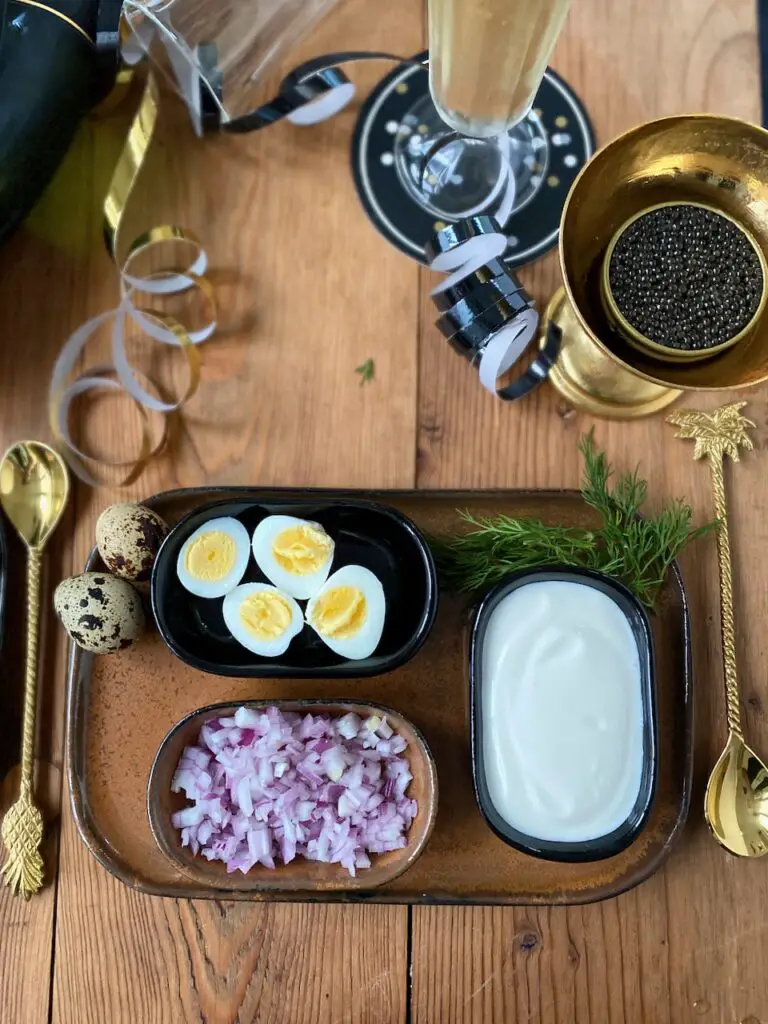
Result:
[{"x": 300, "y": 876}]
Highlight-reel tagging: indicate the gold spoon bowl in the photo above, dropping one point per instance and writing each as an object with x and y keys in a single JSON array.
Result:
[
  {"x": 736, "y": 802},
  {"x": 34, "y": 488}
]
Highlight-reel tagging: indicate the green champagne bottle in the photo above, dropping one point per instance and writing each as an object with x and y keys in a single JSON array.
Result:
[{"x": 51, "y": 74}]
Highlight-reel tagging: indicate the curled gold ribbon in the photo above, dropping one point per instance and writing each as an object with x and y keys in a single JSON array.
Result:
[
  {"x": 173, "y": 278},
  {"x": 57, "y": 14},
  {"x": 84, "y": 463},
  {"x": 129, "y": 163}
]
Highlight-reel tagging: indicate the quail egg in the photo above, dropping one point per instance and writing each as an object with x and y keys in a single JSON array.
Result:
[
  {"x": 214, "y": 558},
  {"x": 128, "y": 538},
  {"x": 294, "y": 554},
  {"x": 348, "y": 612},
  {"x": 262, "y": 618},
  {"x": 100, "y": 612}
]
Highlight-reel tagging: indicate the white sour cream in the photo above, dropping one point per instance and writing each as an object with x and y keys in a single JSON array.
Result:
[{"x": 562, "y": 712}]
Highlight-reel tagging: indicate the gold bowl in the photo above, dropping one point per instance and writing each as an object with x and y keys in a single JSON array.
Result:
[
  {"x": 716, "y": 161},
  {"x": 641, "y": 341}
]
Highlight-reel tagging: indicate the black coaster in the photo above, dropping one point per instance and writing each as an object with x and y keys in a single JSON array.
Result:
[{"x": 532, "y": 229}]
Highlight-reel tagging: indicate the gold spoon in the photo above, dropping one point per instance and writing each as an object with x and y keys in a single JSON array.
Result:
[
  {"x": 34, "y": 487},
  {"x": 736, "y": 802}
]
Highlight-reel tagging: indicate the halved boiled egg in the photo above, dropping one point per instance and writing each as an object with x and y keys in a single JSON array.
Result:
[
  {"x": 347, "y": 613},
  {"x": 214, "y": 558},
  {"x": 262, "y": 618},
  {"x": 294, "y": 554}
]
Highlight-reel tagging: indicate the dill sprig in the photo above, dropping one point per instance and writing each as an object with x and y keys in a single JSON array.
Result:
[
  {"x": 633, "y": 548},
  {"x": 367, "y": 371}
]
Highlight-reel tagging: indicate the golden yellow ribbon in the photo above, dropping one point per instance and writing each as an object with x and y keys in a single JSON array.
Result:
[{"x": 57, "y": 14}]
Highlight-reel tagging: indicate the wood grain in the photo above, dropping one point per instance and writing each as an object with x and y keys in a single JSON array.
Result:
[
  {"x": 29, "y": 266},
  {"x": 280, "y": 403},
  {"x": 310, "y": 291},
  {"x": 667, "y": 952}
]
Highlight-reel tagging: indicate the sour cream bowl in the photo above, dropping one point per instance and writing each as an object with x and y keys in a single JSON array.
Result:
[{"x": 563, "y": 713}]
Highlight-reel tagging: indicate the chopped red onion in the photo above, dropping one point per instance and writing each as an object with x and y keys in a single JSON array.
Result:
[
  {"x": 349, "y": 726},
  {"x": 269, "y": 786}
]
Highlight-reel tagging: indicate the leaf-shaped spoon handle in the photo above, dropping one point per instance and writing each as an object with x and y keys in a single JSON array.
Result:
[{"x": 22, "y": 828}]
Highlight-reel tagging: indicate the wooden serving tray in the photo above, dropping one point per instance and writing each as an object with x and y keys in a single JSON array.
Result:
[{"x": 119, "y": 708}]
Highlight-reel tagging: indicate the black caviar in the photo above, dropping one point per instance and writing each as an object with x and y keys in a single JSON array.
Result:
[{"x": 685, "y": 277}]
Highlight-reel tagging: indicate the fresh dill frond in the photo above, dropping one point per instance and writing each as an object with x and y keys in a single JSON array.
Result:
[
  {"x": 367, "y": 371},
  {"x": 497, "y": 546},
  {"x": 633, "y": 548}
]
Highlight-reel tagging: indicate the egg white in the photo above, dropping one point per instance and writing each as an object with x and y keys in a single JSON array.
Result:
[
  {"x": 366, "y": 640},
  {"x": 216, "y": 588},
  {"x": 266, "y": 648},
  {"x": 294, "y": 584}
]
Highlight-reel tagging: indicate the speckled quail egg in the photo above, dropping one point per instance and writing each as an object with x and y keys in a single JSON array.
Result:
[
  {"x": 348, "y": 612},
  {"x": 262, "y": 618},
  {"x": 128, "y": 538},
  {"x": 214, "y": 558},
  {"x": 100, "y": 612},
  {"x": 294, "y": 554}
]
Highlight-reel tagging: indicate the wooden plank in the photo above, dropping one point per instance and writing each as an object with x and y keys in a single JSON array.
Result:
[
  {"x": 664, "y": 952},
  {"x": 309, "y": 292},
  {"x": 39, "y": 301}
]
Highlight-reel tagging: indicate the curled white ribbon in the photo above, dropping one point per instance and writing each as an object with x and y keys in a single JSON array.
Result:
[
  {"x": 506, "y": 347},
  {"x": 120, "y": 374},
  {"x": 323, "y": 107}
]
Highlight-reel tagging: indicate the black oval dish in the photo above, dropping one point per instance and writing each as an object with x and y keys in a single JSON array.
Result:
[
  {"x": 616, "y": 841},
  {"x": 377, "y": 537}
]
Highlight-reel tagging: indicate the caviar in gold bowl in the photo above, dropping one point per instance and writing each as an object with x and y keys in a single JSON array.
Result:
[{"x": 683, "y": 281}]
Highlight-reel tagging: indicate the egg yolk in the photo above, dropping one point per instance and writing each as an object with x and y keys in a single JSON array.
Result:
[
  {"x": 265, "y": 615},
  {"x": 211, "y": 556},
  {"x": 302, "y": 549},
  {"x": 340, "y": 612}
]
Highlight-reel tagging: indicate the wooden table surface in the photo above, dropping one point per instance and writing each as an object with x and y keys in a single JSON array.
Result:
[{"x": 310, "y": 291}]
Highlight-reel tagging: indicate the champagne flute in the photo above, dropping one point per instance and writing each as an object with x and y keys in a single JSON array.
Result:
[{"x": 487, "y": 59}]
